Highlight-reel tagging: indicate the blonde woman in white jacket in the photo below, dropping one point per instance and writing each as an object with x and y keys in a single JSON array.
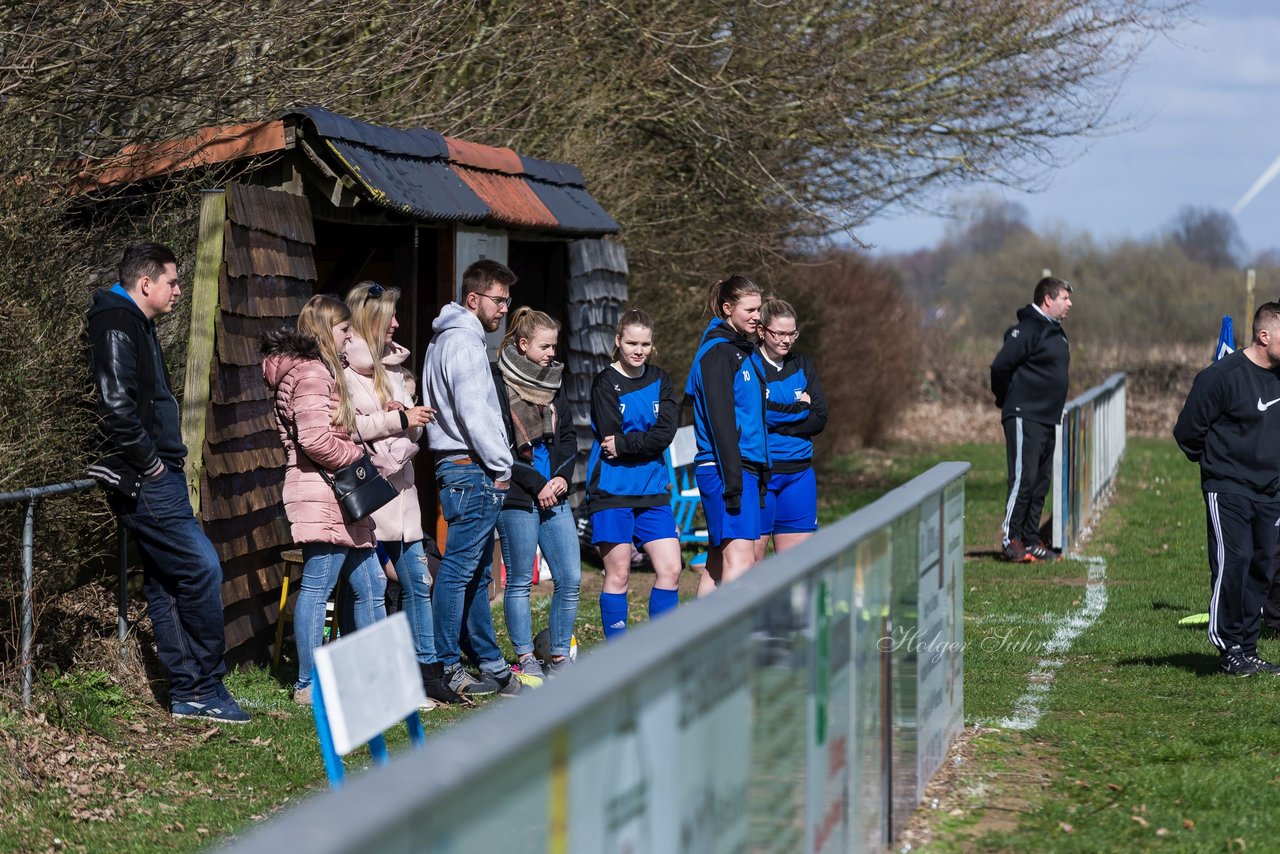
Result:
[{"x": 389, "y": 422}]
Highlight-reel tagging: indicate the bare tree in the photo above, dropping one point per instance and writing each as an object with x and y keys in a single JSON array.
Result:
[
  {"x": 723, "y": 134},
  {"x": 1208, "y": 236}
]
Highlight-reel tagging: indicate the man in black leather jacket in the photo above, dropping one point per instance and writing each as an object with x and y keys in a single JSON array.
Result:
[
  {"x": 1029, "y": 379},
  {"x": 141, "y": 468}
]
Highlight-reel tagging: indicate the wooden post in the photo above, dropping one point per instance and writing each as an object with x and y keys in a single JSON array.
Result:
[
  {"x": 1249, "y": 280},
  {"x": 204, "y": 310}
]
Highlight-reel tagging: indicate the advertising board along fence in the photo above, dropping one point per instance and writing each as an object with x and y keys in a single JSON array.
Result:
[
  {"x": 801, "y": 708},
  {"x": 1090, "y": 443}
]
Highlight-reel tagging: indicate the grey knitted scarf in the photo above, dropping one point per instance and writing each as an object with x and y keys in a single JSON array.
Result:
[{"x": 530, "y": 390}]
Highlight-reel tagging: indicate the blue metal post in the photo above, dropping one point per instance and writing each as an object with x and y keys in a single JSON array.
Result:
[
  {"x": 417, "y": 735},
  {"x": 332, "y": 761},
  {"x": 378, "y": 750}
]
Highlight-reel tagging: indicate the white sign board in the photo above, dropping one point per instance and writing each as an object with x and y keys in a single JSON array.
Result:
[{"x": 369, "y": 680}]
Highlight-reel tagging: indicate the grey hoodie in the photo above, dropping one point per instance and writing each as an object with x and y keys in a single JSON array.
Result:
[{"x": 457, "y": 381}]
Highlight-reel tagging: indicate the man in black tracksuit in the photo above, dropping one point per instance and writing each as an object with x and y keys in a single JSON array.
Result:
[
  {"x": 1230, "y": 425},
  {"x": 1029, "y": 378}
]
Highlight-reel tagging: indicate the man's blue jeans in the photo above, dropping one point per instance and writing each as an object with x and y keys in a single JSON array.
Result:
[
  {"x": 415, "y": 579},
  {"x": 322, "y": 565},
  {"x": 523, "y": 531},
  {"x": 182, "y": 580},
  {"x": 470, "y": 503}
]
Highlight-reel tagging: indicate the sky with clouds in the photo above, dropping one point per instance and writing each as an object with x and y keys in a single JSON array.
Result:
[{"x": 1200, "y": 123}]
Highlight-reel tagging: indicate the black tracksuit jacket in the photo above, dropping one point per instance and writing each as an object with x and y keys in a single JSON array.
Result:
[
  {"x": 1230, "y": 425},
  {"x": 1029, "y": 374}
]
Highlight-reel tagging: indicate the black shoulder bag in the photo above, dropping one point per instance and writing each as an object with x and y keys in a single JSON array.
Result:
[{"x": 359, "y": 487}]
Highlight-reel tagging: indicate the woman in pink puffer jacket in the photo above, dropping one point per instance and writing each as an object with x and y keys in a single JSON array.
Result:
[
  {"x": 303, "y": 371},
  {"x": 382, "y": 393}
]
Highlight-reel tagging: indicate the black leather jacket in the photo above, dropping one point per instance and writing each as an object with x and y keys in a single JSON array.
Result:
[{"x": 138, "y": 414}]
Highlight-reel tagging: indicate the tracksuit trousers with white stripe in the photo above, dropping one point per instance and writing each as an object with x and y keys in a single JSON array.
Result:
[
  {"x": 1029, "y": 452},
  {"x": 1242, "y": 549}
]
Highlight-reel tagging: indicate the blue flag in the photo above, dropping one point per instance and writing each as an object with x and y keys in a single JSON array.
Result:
[{"x": 1226, "y": 340}]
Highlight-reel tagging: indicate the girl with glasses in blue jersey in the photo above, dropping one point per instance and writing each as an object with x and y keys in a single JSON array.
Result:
[{"x": 795, "y": 412}]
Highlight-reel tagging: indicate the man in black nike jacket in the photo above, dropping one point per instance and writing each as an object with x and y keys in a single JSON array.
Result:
[
  {"x": 1230, "y": 425},
  {"x": 1029, "y": 379}
]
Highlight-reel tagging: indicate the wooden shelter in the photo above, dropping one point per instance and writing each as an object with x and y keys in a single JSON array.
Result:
[{"x": 320, "y": 203}]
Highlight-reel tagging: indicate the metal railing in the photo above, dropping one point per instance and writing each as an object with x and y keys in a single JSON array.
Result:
[
  {"x": 1090, "y": 443},
  {"x": 31, "y": 496},
  {"x": 803, "y": 707}
]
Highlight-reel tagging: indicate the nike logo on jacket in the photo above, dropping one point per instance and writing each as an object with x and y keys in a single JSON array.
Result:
[{"x": 1230, "y": 426}]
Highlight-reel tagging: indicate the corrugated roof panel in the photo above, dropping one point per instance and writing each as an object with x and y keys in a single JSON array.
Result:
[
  {"x": 574, "y": 208},
  {"x": 412, "y": 142},
  {"x": 510, "y": 199},
  {"x": 561, "y": 189},
  {"x": 415, "y": 187},
  {"x": 206, "y": 147},
  {"x": 423, "y": 174},
  {"x": 484, "y": 156},
  {"x": 552, "y": 173}
]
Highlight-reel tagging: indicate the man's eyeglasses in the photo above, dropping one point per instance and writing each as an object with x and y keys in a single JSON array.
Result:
[
  {"x": 783, "y": 336},
  {"x": 504, "y": 302}
]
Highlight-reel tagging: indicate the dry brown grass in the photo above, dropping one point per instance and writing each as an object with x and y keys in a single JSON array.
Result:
[{"x": 954, "y": 402}]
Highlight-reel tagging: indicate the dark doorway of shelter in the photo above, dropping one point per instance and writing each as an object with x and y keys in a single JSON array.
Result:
[
  {"x": 543, "y": 270},
  {"x": 402, "y": 256}
]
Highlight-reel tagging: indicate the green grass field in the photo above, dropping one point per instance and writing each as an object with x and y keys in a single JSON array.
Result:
[{"x": 1139, "y": 744}]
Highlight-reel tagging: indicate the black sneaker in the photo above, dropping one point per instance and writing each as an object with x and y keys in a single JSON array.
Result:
[
  {"x": 435, "y": 686},
  {"x": 223, "y": 710},
  {"x": 1262, "y": 665},
  {"x": 508, "y": 684},
  {"x": 1013, "y": 552},
  {"x": 462, "y": 682},
  {"x": 1234, "y": 662},
  {"x": 1042, "y": 552}
]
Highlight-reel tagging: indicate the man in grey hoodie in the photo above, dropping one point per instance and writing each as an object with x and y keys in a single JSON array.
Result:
[{"x": 473, "y": 472}]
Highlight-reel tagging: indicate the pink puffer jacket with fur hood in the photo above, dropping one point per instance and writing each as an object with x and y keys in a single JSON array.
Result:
[{"x": 305, "y": 397}]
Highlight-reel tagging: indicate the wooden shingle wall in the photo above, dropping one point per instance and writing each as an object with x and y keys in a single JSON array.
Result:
[
  {"x": 597, "y": 295},
  {"x": 268, "y": 273}
]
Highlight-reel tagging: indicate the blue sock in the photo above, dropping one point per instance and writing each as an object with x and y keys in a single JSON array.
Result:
[
  {"x": 661, "y": 601},
  {"x": 613, "y": 614}
]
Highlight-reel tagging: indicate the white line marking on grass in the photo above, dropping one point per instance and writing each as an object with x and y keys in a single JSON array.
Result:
[{"x": 1028, "y": 708}]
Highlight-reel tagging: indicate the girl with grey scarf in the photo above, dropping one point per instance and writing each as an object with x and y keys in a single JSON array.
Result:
[{"x": 536, "y": 514}]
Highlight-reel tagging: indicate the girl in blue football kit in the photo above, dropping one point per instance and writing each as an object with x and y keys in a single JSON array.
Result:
[
  {"x": 795, "y": 411},
  {"x": 633, "y": 418},
  {"x": 726, "y": 389}
]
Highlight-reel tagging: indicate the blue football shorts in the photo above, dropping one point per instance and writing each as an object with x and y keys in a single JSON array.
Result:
[
  {"x": 637, "y": 525},
  {"x": 791, "y": 503},
  {"x": 721, "y": 524}
]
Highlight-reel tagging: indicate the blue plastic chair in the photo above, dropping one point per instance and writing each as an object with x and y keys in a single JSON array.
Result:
[{"x": 686, "y": 500}]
